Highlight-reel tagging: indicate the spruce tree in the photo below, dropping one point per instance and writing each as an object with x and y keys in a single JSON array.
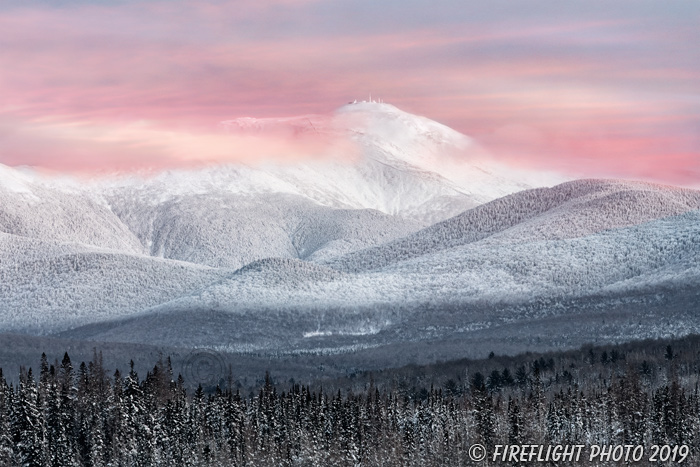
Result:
[
  {"x": 28, "y": 424},
  {"x": 6, "y": 404},
  {"x": 515, "y": 422}
]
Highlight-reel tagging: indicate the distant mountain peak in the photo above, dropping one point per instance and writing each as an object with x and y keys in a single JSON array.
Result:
[{"x": 384, "y": 134}]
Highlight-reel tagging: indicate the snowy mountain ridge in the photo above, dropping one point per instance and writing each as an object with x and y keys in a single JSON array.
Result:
[
  {"x": 570, "y": 210},
  {"x": 227, "y": 216},
  {"x": 279, "y": 254}
]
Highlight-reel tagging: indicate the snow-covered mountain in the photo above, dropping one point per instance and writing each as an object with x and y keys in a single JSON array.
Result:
[
  {"x": 403, "y": 172},
  {"x": 546, "y": 244},
  {"x": 229, "y": 230},
  {"x": 403, "y": 164},
  {"x": 35, "y": 208},
  {"x": 415, "y": 218},
  {"x": 47, "y": 286},
  {"x": 651, "y": 271},
  {"x": 573, "y": 209}
]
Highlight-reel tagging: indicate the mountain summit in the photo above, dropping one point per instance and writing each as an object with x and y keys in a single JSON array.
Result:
[{"x": 403, "y": 164}]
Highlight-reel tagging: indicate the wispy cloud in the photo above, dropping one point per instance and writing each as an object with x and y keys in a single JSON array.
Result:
[{"x": 594, "y": 88}]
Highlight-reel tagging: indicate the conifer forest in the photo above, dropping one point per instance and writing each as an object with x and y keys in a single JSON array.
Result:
[{"x": 80, "y": 415}]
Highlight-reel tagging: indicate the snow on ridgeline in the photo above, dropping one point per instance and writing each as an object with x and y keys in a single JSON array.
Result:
[
  {"x": 572, "y": 209},
  {"x": 658, "y": 253},
  {"x": 14, "y": 181},
  {"x": 32, "y": 206},
  {"x": 288, "y": 271},
  {"x": 227, "y": 216},
  {"x": 47, "y": 286}
]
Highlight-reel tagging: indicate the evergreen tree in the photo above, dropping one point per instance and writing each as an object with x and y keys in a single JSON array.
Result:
[
  {"x": 59, "y": 438},
  {"x": 484, "y": 415},
  {"x": 515, "y": 422},
  {"x": 521, "y": 376},
  {"x": 67, "y": 408},
  {"x": 28, "y": 424},
  {"x": 129, "y": 422},
  {"x": 6, "y": 404}
]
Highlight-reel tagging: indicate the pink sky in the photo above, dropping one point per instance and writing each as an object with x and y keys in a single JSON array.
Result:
[{"x": 589, "y": 88}]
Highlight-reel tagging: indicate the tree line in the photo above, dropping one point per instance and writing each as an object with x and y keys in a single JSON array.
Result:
[{"x": 87, "y": 417}]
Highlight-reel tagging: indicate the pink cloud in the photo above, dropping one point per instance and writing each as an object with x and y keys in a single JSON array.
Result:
[
  {"x": 604, "y": 147},
  {"x": 89, "y": 147},
  {"x": 172, "y": 70}
]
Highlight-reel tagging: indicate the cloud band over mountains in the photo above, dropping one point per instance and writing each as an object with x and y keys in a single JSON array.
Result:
[{"x": 589, "y": 88}]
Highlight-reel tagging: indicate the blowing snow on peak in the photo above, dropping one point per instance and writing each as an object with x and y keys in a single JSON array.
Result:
[{"x": 396, "y": 162}]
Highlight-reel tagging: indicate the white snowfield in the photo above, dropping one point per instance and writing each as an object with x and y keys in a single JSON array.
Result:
[{"x": 375, "y": 231}]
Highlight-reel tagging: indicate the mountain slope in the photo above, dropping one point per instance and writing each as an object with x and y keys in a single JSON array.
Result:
[
  {"x": 30, "y": 207},
  {"x": 222, "y": 229},
  {"x": 402, "y": 172},
  {"x": 626, "y": 259},
  {"x": 287, "y": 305},
  {"x": 47, "y": 286},
  {"x": 572, "y": 209}
]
